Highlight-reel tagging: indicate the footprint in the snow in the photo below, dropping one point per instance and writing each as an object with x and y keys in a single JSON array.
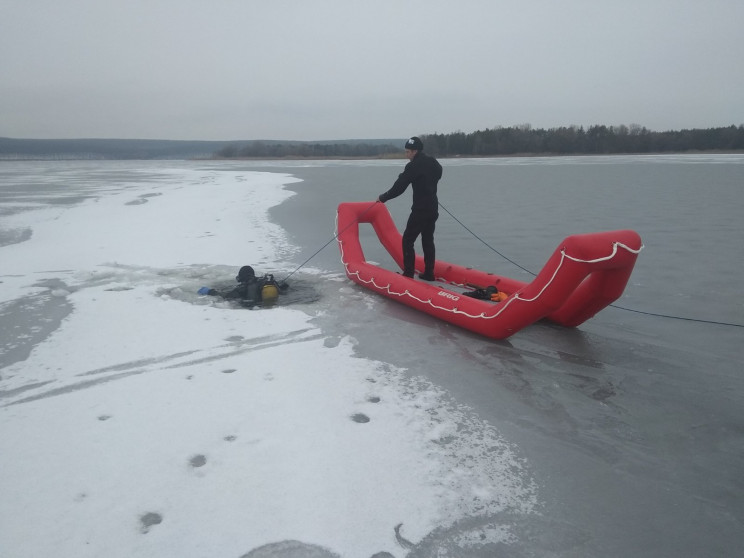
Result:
[
  {"x": 360, "y": 418},
  {"x": 331, "y": 342},
  {"x": 148, "y": 520},
  {"x": 373, "y": 399},
  {"x": 198, "y": 461}
]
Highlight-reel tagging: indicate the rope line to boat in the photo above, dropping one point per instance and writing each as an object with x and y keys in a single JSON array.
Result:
[
  {"x": 668, "y": 316},
  {"x": 338, "y": 233},
  {"x": 334, "y": 237},
  {"x": 730, "y": 324},
  {"x": 486, "y": 243}
]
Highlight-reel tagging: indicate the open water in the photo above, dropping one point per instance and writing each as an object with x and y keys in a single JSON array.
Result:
[{"x": 633, "y": 423}]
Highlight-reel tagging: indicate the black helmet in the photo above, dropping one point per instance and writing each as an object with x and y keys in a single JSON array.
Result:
[
  {"x": 414, "y": 143},
  {"x": 246, "y": 274}
]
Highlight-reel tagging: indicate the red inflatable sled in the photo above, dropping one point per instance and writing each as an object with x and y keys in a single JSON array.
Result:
[{"x": 585, "y": 274}]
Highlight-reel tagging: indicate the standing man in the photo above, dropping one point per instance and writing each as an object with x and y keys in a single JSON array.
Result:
[{"x": 423, "y": 173}]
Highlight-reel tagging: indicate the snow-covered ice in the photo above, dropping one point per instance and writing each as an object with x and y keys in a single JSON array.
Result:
[{"x": 138, "y": 418}]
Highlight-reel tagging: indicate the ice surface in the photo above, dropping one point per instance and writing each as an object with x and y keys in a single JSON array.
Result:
[{"x": 138, "y": 418}]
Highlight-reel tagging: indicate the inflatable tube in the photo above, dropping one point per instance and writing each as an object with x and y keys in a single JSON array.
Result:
[{"x": 585, "y": 274}]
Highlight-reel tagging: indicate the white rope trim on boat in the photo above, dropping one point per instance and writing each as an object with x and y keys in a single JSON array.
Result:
[
  {"x": 565, "y": 256},
  {"x": 502, "y": 305},
  {"x": 612, "y": 255}
]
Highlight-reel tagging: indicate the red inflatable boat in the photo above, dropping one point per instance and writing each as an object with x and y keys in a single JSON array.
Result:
[{"x": 586, "y": 273}]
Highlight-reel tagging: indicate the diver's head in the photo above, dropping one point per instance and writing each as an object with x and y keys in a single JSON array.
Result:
[{"x": 246, "y": 274}]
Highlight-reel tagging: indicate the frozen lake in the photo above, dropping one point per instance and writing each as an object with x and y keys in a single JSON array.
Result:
[{"x": 622, "y": 437}]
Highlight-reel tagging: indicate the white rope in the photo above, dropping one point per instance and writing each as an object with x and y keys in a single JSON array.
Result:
[{"x": 612, "y": 255}]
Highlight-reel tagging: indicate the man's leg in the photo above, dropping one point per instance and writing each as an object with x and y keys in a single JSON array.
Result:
[
  {"x": 413, "y": 230},
  {"x": 427, "y": 243}
]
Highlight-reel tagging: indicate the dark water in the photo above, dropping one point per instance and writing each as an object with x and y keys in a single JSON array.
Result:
[{"x": 633, "y": 423}]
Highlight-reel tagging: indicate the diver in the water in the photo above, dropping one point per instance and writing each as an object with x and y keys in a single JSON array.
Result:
[{"x": 250, "y": 290}]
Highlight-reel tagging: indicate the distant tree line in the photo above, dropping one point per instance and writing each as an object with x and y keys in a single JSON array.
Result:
[
  {"x": 271, "y": 150},
  {"x": 72, "y": 149},
  {"x": 576, "y": 140},
  {"x": 516, "y": 140}
]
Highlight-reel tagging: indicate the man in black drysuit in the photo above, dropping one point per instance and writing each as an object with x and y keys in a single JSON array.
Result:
[{"x": 423, "y": 173}]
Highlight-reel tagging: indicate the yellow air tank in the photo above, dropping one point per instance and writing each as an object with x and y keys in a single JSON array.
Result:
[{"x": 269, "y": 294}]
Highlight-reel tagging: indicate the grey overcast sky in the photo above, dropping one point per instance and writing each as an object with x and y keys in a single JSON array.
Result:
[{"x": 342, "y": 69}]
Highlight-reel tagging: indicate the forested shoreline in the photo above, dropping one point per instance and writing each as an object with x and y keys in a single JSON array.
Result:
[
  {"x": 598, "y": 139},
  {"x": 517, "y": 140},
  {"x": 523, "y": 140},
  {"x": 310, "y": 150}
]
